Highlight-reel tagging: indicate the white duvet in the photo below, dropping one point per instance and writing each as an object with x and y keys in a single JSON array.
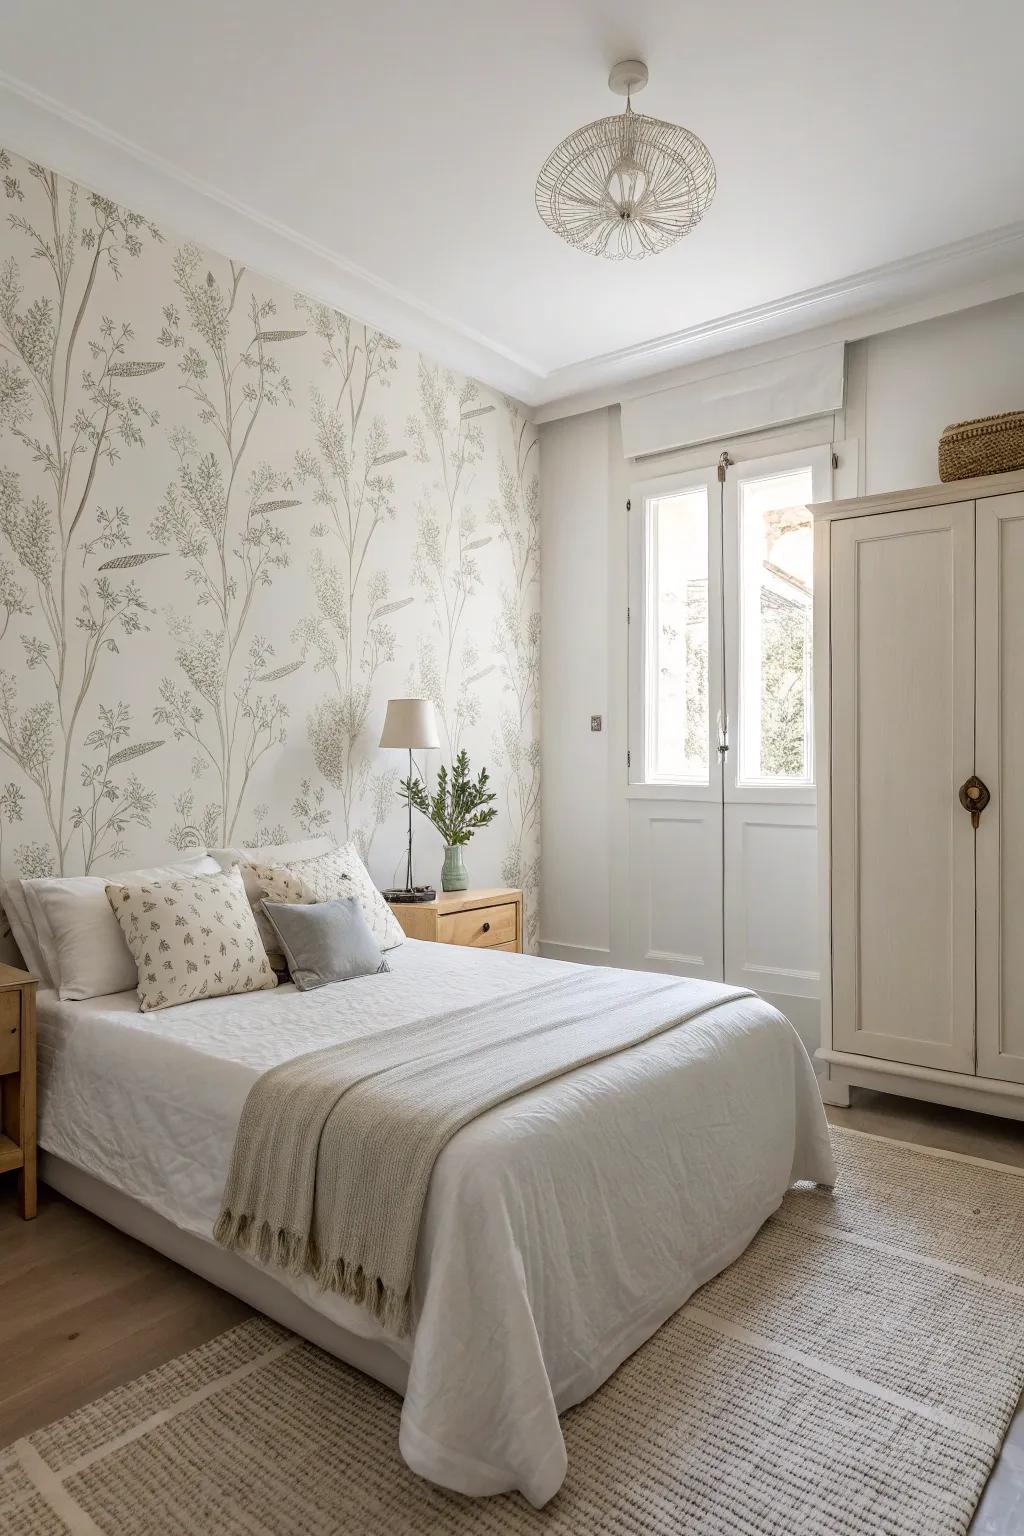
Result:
[{"x": 561, "y": 1229}]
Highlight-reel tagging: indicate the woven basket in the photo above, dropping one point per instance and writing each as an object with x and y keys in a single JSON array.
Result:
[{"x": 990, "y": 445}]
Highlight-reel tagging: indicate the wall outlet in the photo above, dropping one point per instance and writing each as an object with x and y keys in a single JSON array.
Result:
[{"x": 595, "y": 722}]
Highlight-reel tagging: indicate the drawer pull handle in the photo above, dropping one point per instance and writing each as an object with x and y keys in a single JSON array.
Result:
[{"x": 487, "y": 927}]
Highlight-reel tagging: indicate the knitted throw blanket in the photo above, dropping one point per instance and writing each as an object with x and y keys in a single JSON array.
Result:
[{"x": 335, "y": 1148}]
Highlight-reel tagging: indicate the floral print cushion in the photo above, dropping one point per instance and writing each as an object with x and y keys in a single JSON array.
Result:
[
  {"x": 191, "y": 938},
  {"x": 333, "y": 875},
  {"x": 278, "y": 882}
]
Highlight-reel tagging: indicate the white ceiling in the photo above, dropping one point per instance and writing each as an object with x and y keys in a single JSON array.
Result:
[{"x": 400, "y": 139}]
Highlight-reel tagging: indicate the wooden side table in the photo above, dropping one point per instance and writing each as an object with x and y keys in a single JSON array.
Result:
[
  {"x": 486, "y": 919},
  {"x": 18, "y": 1082}
]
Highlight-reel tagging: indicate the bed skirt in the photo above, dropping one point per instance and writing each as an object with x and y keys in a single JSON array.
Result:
[{"x": 228, "y": 1271}]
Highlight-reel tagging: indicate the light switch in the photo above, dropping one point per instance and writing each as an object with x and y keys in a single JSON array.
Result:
[{"x": 595, "y": 722}]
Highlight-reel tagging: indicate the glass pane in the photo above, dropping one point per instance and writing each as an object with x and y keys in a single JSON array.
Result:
[
  {"x": 776, "y": 538},
  {"x": 676, "y": 608}
]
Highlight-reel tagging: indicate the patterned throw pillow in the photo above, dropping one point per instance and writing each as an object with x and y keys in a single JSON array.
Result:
[
  {"x": 332, "y": 876},
  {"x": 191, "y": 938},
  {"x": 276, "y": 883}
]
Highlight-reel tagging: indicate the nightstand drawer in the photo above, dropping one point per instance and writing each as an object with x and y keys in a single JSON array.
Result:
[
  {"x": 482, "y": 926},
  {"x": 10, "y": 1032}
]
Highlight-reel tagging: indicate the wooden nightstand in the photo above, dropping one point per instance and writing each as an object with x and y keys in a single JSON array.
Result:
[
  {"x": 490, "y": 919},
  {"x": 18, "y": 1082}
]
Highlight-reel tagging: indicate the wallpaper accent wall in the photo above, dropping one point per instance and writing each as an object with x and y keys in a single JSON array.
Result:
[{"x": 233, "y": 522}]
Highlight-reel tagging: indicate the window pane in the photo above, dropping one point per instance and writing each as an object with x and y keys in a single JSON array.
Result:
[
  {"x": 776, "y": 539},
  {"x": 676, "y": 659}
]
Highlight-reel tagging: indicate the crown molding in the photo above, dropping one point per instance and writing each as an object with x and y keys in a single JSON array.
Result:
[
  {"x": 956, "y": 276},
  {"x": 39, "y": 128}
]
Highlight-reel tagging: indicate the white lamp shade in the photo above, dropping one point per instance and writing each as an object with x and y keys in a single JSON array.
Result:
[{"x": 410, "y": 723}]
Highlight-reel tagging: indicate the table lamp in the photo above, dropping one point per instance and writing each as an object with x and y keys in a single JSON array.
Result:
[{"x": 410, "y": 723}]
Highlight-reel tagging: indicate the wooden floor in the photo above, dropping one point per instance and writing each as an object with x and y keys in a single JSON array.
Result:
[
  {"x": 84, "y": 1308},
  {"x": 931, "y": 1125}
]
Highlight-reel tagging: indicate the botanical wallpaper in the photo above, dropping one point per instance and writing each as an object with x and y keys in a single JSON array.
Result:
[{"x": 233, "y": 523}]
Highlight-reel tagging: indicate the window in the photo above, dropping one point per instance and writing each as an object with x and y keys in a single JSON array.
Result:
[
  {"x": 721, "y": 632},
  {"x": 776, "y": 562},
  {"x": 676, "y": 648}
]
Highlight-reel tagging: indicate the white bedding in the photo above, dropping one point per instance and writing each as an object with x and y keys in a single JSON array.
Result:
[{"x": 561, "y": 1228}]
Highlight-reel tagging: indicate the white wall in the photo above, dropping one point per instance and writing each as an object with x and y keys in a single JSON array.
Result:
[
  {"x": 906, "y": 385},
  {"x": 574, "y": 649},
  {"x": 903, "y": 387}
]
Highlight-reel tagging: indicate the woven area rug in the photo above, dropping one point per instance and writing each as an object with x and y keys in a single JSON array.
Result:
[{"x": 854, "y": 1372}]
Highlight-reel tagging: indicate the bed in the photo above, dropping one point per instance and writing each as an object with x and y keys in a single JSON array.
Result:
[{"x": 561, "y": 1229}]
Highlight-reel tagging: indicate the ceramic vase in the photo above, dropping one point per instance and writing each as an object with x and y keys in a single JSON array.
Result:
[{"x": 453, "y": 875}]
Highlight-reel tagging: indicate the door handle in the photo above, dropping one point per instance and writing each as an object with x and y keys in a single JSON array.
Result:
[{"x": 974, "y": 796}]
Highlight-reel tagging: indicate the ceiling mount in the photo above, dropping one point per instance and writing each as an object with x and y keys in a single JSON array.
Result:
[{"x": 627, "y": 77}]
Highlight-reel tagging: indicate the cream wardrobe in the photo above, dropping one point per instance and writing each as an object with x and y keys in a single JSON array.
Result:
[{"x": 919, "y": 691}]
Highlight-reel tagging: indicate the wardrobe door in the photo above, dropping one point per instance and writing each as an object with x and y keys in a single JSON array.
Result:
[
  {"x": 902, "y": 669},
  {"x": 1000, "y": 764}
]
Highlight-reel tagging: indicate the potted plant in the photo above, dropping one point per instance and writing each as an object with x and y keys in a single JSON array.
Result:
[{"x": 458, "y": 808}]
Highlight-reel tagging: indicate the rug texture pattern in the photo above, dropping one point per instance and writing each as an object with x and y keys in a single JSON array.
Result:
[{"x": 853, "y": 1372}]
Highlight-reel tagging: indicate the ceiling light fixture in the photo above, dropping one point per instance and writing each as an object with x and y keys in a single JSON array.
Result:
[{"x": 626, "y": 186}]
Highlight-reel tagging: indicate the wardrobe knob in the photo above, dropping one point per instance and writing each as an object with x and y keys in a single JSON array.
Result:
[
  {"x": 487, "y": 927},
  {"x": 974, "y": 796}
]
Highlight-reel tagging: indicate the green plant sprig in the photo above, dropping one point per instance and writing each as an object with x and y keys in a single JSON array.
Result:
[{"x": 459, "y": 807}]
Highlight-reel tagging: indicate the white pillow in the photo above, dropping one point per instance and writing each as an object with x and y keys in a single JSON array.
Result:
[
  {"x": 194, "y": 937},
  {"x": 269, "y": 853},
  {"x": 10, "y": 954},
  {"x": 23, "y": 929},
  {"x": 81, "y": 941}
]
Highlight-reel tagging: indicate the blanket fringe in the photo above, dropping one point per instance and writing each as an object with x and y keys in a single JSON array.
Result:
[{"x": 299, "y": 1255}]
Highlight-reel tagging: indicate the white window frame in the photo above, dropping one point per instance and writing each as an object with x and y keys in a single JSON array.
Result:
[
  {"x": 819, "y": 460},
  {"x": 642, "y": 493},
  {"x": 723, "y": 659}
]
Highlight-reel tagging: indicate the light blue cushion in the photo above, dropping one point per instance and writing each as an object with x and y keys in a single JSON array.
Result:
[{"x": 324, "y": 941}]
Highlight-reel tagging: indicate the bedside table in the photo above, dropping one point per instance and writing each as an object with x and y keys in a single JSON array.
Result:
[
  {"x": 488, "y": 919},
  {"x": 18, "y": 1082}
]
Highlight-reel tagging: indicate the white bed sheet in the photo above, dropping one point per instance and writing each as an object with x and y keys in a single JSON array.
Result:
[{"x": 561, "y": 1229}]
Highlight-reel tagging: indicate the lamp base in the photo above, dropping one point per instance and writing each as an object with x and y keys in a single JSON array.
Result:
[{"x": 418, "y": 893}]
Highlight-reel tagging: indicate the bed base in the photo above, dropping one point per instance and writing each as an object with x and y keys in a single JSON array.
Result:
[{"x": 226, "y": 1270}]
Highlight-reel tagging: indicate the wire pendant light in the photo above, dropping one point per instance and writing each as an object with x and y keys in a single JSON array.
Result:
[{"x": 626, "y": 186}]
